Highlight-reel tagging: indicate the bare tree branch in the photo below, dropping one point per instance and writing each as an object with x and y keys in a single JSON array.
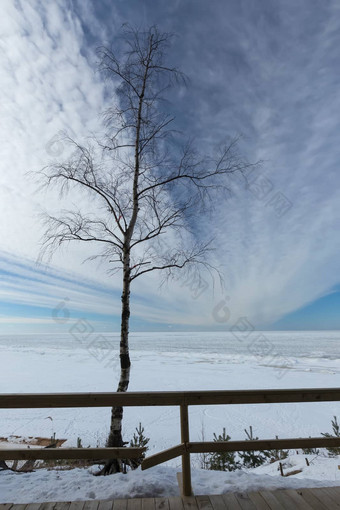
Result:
[{"x": 140, "y": 192}]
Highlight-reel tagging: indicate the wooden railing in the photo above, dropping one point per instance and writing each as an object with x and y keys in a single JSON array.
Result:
[{"x": 183, "y": 399}]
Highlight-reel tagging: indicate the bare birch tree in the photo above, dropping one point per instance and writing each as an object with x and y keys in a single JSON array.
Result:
[{"x": 144, "y": 190}]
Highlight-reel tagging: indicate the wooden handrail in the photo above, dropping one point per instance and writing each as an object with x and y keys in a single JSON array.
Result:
[
  {"x": 163, "y": 456},
  {"x": 167, "y": 398},
  {"x": 262, "y": 444},
  {"x": 235, "y": 446},
  {"x": 70, "y": 453}
]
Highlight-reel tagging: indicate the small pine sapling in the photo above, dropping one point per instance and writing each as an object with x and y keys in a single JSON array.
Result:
[
  {"x": 276, "y": 455},
  {"x": 334, "y": 450},
  {"x": 222, "y": 461},
  {"x": 139, "y": 440},
  {"x": 310, "y": 451},
  {"x": 252, "y": 458}
]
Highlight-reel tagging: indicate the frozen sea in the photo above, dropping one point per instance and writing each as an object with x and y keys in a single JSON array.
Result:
[
  {"x": 84, "y": 360},
  {"x": 312, "y": 344}
]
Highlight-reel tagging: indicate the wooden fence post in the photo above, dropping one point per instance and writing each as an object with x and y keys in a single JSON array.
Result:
[{"x": 186, "y": 468}]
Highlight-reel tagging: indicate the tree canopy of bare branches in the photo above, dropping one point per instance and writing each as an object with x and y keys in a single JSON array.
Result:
[{"x": 144, "y": 187}]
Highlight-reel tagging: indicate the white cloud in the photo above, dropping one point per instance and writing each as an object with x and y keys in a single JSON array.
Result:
[
  {"x": 25, "y": 320},
  {"x": 49, "y": 86}
]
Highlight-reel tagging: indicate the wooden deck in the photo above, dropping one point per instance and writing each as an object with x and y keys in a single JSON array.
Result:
[{"x": 327, "y": 498}]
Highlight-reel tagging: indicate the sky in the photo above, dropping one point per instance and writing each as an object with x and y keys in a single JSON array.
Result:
[{"x": 265, "y": 71}]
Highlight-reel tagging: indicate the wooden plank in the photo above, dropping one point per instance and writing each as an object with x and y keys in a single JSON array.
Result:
[
  {"x": 311, "y": 499},
  {"x": 61, "y": 505},
  {"x": 167, "y": 398},
  {"x": 189, "y": 503},
  {"x": 19, "y": 506},
  {"x": 325, "y": 498},
  {"x": 204, "y": 503},
  {"x": 120, "y": 504},
  {"x": 76, "y": 505},
  {"x": 272, "y": 501},
  {"x": 244, "y": 501},
  {"x": 175, "y": 503},
  {"x": 186, "y": 468},
  {"x": 33, "y": 506},
  {"x": 91, "y": 505},
  {"x": 334, "y": 493},
  {"x": 162, "y": 504},
  {"x": 134, "y": 504},
  {"x": 159, "y": 458},
  {"x": 231, "y": 501},
  {"x": 180, "y": 482},
  {"x": 69, "y": 453},
  {"x": 105, "y": 505},
  {"x": 5, "y": 506},
  {"x": 47, "y": 506},
  {"x": 217, "y": 502},
  {"x": 262, "y": 444},
  {"x": 258, "y": 501},
  {"x": 299, "y": 502},
  {"x": 286, "y": 501},
  {"x": 148, "y": 504},
  {"x": 334, "y": 490}
]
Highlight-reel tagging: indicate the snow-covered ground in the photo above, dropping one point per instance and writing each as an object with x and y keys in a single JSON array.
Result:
[
  {"x": 80, "y": 484},
  {"x": 168, "y": 362}
]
